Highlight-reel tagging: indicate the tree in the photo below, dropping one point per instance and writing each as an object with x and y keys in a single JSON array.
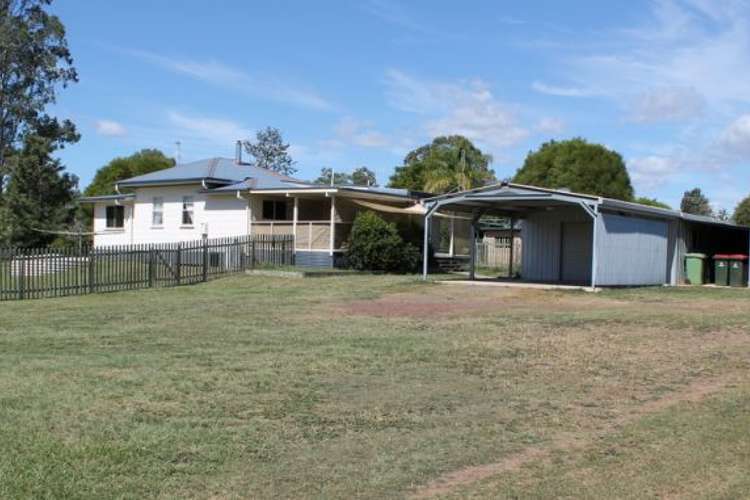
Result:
[
  {"x": 376, "y": 245},
  {"x": 447, "y": 164},
  {"x": 695, "y": 202},
  {"x": 579, "y": 166},
  {"x": 723, "y": 215},
  {"x": 742, "y": 212},
  {"x": 652, "y": 202},
  {"x": 34, "y": 62},
  {"x": 40, "y": 195},
  {"x": 339, "y": 178},
  {"x": 143, "y": 162},
  {"x": 270, "y": 151},
  {"x": 363, "y": 176}
]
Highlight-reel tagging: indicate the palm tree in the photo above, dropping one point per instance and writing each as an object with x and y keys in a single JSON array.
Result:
[{"x": 452, "y": 172}]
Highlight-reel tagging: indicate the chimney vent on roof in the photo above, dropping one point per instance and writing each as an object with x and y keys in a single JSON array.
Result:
[{"x": 238, "y": 153}]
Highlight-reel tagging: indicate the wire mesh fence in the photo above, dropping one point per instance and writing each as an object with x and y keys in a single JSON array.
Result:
[{"x": 33, "y": 273}]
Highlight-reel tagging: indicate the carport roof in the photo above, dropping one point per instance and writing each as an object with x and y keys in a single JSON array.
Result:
[{"x": 515, "y": 196}]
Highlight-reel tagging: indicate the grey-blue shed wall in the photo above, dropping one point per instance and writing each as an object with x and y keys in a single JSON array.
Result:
[
  {"x": 632, "y": 251},
  {"x": 540, "y": 233}
]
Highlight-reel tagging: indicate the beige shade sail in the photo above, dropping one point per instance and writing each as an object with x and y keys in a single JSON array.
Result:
[{"x": 415, "y": 209}]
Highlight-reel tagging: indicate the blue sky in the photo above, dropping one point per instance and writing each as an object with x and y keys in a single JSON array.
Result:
[{"x": 665, "y": 83}]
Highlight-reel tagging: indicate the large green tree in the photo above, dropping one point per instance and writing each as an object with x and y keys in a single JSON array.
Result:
[
  {"x": 39, "y": 198},
  {"x": 742, "y": 212},
  {"x": 270, "y": 151},
  {"x": 446, "y": 164},
  {"x": 577, "y": 165},
  {"x": 34, "y": 63},
  {"x": 140, "y": 163},
  {"x": 695, "y": 202}
]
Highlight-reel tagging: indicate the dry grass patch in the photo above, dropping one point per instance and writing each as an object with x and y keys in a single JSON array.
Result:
[{"x": 346, "y": 387}]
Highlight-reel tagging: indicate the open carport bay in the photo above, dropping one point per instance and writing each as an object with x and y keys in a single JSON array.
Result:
[{"x": 578, "y": 239}]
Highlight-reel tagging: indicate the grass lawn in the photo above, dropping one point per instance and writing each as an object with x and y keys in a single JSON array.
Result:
[{"x": 375, "y": 386}]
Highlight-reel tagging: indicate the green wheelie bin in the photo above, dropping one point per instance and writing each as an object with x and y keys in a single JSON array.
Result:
[
  {"x": 721, "y": 269},
  {"x": 737, "y": 270},
  {"x": 695, "y": 268}
]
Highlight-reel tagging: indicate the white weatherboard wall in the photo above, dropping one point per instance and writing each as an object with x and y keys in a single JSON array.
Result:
[
  {"x": 632, "y": 251},
  {"x": 105, "y": 236},
  {"x": 222, "y": 215}
]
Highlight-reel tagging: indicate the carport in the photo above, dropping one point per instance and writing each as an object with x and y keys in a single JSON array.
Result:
[{"x": 577, "y": 239}]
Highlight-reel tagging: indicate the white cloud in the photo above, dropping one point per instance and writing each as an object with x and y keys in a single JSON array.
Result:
[
  {"x": 464, "y": 107},
  {"x": 360, "y": 133},
  {"x": 649, "y": 172},
  {"x": 394, "y": 13},
  {"x": 550, "y": 125},
  {"x": 735, "y": 139},
  {"x": 110, "y": 128},
  {"x": 544, "y": 88},
  {"x": 667, "y": 104},
  {"x": 689, "y": 51},
  {"x": 219, "y": 74},
  {"x": 211, "y": 131}
]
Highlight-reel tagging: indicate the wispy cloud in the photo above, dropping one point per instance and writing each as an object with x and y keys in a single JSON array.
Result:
[
  {"x": 667, "y": 104},
  {"x": 652, "y": 171},
  {"x": 211, "y": 131},
  {"x": 544, "y": 88},
  {"x": 222, "y": 75},
  {"x": 686, "y": 53},
  {"x": 393, "y": 12},
  {"x": 467, "y": 108},
  {"x": 110, "y": 128},
  {"x": 550, "y": 125},
  {"x": 360, "y": 133}
]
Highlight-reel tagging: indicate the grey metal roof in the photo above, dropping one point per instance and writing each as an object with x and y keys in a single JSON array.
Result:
[
  {"x": 212, "y": 170},
  {"x": 519, "y": 193},
  {"x": 252, "y": 184},
  {"x": 227, "y": 176}
]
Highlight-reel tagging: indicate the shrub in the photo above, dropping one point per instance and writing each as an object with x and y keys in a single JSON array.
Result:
[{"x": 375, "y": 245}]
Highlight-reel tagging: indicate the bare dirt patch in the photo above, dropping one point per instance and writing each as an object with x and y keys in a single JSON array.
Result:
[
  {"x": 446, "y": 301},
  {"x": 693, "y": 393}
]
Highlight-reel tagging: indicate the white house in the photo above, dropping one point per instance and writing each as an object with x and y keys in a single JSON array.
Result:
[{"x": 222, "y": 197}]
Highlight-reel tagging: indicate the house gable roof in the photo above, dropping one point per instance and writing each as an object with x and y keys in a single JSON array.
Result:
[{"x": 221, "y": 171}]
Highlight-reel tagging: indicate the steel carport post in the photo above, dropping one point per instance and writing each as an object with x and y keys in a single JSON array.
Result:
[
  {"x": 426, "y": 243},
  {"x": 594, "y": 213},
  {"x": 475, "y": 216}
]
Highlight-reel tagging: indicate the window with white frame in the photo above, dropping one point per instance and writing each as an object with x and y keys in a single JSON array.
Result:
[
  {"x": 157, "y": 211},
  {"x": 187, "y": 210}
]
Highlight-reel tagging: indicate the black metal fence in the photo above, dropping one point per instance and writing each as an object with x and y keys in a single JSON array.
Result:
[{"x": 33, "y": 273}]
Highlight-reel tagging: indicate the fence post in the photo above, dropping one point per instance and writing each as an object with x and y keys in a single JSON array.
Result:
[
  {"x": 151, "y": 262},
  {"x": 92, "y": 271},
  {"x": 252, "y": 251},
  {"x": 22, "y": 278},
  {"x": 178, "y": 265},
  {"x": 205, "y": 258}
]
